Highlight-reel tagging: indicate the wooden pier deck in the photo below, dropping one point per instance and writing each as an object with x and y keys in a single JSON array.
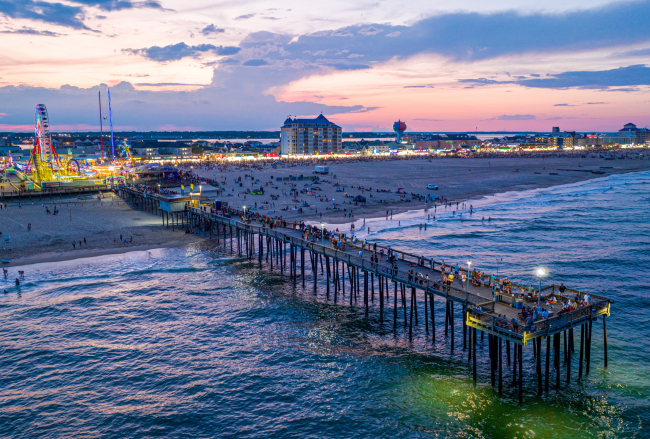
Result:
[
  {"x": 493, "y": 318},
  {"x": 22, "y": 194}
]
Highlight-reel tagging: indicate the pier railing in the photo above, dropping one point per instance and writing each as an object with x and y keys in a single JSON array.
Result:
[
  {"x": 384, "y": 269},
  {"x": 541, "y": 327},
  {"x": 485, "y": 319}
]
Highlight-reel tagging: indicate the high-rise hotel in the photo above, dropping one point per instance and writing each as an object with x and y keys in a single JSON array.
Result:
[{"x": 310, "y": 136}]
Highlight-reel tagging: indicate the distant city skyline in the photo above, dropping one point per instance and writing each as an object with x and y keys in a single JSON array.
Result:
[{"x": 206, "y": 66}]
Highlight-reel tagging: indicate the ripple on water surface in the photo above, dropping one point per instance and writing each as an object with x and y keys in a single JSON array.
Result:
[{"x": 195, "y": 342}]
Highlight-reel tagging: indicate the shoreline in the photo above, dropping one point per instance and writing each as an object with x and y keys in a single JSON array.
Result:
[
  {"x": 479, "y": 201},
  {"x": 102, "y": 224},
  {"x": 458, "y": 180},
  {"x": 72, "y": 255},
  {"x": 83, "y": 254}
]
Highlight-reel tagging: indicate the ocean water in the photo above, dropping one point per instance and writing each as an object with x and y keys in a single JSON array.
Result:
[{"x": 196, "y": 342}]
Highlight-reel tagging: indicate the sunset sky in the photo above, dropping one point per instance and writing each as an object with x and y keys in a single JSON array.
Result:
[{"x": 247, "y": 65}]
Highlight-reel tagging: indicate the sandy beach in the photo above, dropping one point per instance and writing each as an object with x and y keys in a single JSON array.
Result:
[
  {"x": 457, "y": 179},
  {"x": 102, "y": 222}
]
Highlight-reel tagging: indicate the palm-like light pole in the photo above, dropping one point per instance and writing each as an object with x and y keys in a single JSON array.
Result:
[{"x": 540, "y": 272}]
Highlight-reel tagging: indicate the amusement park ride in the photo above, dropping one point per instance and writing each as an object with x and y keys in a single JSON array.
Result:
[
  {"x": 47, "y": 167},
  {"x": 44, "y": 162}
]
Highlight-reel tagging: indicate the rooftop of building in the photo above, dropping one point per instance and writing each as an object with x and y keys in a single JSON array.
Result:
[{"x": 320, "y": 120}]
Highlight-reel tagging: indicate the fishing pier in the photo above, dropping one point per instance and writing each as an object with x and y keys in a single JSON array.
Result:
[{"x": 402, "y": 298}]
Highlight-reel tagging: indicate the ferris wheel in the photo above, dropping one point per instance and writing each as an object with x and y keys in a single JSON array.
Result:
[
  {"x": 42, "y": 136},
  {"x": 44, "y": 161}
]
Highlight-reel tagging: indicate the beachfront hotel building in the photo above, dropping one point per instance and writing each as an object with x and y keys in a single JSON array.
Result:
[{"x": 310, "y": 136}]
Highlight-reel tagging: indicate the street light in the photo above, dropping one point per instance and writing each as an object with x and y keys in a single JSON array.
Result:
[
  {"x": 469, "y": 263},
  {"x": 540, "y": 272},
  {"x": 244, "y": 213},
  {"x": 322, "y": 234}
]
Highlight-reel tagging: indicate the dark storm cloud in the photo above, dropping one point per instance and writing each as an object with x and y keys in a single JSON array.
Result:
[{"x": 178, "y": 51}]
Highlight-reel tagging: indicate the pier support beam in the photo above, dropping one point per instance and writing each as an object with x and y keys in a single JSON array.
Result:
[
  {"x": 395, "y": 309},
  {"x": 548, "y": 361},
  {"x": 538, "y": 342},
  {"x": 451, "y": 323},
  {"x": 491, "y": 344},
  {"x": 500, "y": 369},
  {"x": 412, "y": 307},
  {"x": 521, "y": 374},
  {"x": 588, "y": 348},
  {"x": 605, "y": 338},
  {"x": 433, "y": 320},
  {"x": 474, "y": 354}
]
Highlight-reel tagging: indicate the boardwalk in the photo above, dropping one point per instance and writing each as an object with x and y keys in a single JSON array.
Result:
[{"x": 479, "y": 312}]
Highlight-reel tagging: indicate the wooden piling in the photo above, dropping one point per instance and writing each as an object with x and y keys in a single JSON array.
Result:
[
  {"x": 433, "y": 320},
  {"x": 500, "y": 368},
  {"x": 474, "y": 354},
  {"x": 426, "y": 313},
  {"x": 412, "y": 306},
  {"x": 588, "y": 347},
  {"x": 521, "y": 374},
  {"x": 538, "y": 343},
  {"x": 605, "y": 338}
]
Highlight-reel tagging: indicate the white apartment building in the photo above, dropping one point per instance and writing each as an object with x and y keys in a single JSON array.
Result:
[{"x": 310, "y": 136}]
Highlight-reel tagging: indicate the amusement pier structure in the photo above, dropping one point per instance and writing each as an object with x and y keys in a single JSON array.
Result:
[
  {"x": 44, "y": 162},
  {"x": 480, "y": 313},
  {"x": 47, "y": 171}
]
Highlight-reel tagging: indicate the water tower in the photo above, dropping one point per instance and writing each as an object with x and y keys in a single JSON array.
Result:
[{"x": 399, "y": 127}]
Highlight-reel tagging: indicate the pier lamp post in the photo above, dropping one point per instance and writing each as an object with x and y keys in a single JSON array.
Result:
[
  {"x": 244, "y": 207},
  {"x": 469, "y": 263},
  {"x": 322, "y": 234},
  {"x": 540, "y": 272}
]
